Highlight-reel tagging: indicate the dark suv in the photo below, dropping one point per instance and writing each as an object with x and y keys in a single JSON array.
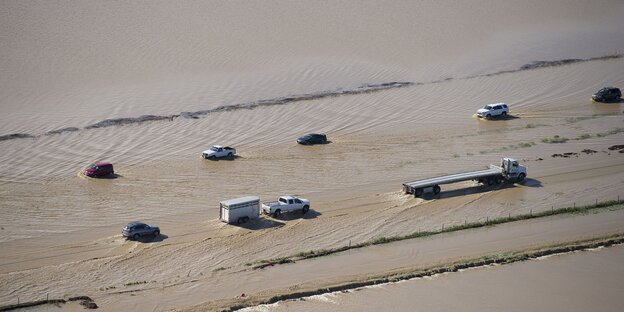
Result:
[
  {"x": 609, "y": 94},
  {"x": 312, "y": 138},
  {"x": 134, "y": 230},
  {"x": 99, "y": 169}
]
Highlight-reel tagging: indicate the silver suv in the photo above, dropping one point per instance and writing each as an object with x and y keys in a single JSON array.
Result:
[
  {"x": 134, "y": 230},
  {"x": 493, "y": 110}
]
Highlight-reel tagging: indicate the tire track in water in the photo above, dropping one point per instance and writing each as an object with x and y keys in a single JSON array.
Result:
[{"x": 366, "y": 88}]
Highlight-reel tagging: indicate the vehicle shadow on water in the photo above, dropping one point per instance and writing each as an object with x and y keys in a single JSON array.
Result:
[
  {"x": 296, "y": 215},
  {"x": 532, "y": 183},
  {"x": 152, "y": 239},
  {"x": 320, "y": 143},
  {"x": 230, "y": 158},
  {"x": 260, "y": 224},
  {"x": 480, "y": 189},
  {"x": 498, "y": 118},
  {"x": 108, "y": 177}
]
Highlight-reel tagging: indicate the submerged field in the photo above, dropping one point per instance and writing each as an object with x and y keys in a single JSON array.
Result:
[{"x": 394, "y": 86}]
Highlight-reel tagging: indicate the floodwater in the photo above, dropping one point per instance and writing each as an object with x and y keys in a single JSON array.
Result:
[
  {"x": 394, "y": 85},
  {"x": 579, "y": 281}
]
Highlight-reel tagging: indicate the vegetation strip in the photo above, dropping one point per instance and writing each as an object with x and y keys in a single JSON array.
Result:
[
  {"x": 615, "y": 204},
  {"x": 502, "y": 258},
  {"x": 85, "y": 301}
]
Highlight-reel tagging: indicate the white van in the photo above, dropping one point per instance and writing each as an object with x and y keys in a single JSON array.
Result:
[{"x": 239, "y": 210}]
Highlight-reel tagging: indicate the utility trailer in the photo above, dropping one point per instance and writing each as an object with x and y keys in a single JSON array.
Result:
[
  {"x": 239, "y": 210},
  {"x": 508, "y": 171}
]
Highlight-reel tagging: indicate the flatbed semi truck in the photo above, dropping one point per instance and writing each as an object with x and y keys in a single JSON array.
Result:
[{"x": 509, "y": 171}]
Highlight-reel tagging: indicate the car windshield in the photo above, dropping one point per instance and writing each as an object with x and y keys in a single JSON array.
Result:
[
  {"x": 94, "y": 167},
  {"x": 487, "y": 107},
  {"x": 215, "y": 149}
]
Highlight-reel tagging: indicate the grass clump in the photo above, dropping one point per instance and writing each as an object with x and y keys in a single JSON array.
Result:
[
  {"x": 532, "y": 125},
  {"x": 583, "y": 136},
  {"x": 610, "y": 132},
  {"x": 135, "y": 283},
  {"x": 555, "y": 139}
]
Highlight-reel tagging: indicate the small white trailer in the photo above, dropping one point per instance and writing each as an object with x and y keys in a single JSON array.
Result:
[
  {"x": 508, "y": 171},
  {"x": 239, "y": 210}
]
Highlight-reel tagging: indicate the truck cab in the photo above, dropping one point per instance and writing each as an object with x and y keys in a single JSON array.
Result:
[
  {"x": 218, "y": 151},
  {"x": 286, "y": 204},
  {"x": 512, "y": 170}
]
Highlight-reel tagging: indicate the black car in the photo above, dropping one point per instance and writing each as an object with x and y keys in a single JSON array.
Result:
[
  {"x": 312, "y": 138},
  {"x": 609, "y": 94},
  {"x": 134, "y": 230}
]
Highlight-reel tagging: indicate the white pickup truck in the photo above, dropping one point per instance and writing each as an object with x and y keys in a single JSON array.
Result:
[
  {"x": 218, "y": 151},
  {"x": 286, "y": 204}
]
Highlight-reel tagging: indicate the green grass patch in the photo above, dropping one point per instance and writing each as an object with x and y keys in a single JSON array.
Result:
[
  {"x": 610, "y": 132},
  {"x": 555, "y": 139}
]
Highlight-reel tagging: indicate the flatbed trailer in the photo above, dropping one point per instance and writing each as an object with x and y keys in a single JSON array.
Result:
[{"x": 509, "y": 171}]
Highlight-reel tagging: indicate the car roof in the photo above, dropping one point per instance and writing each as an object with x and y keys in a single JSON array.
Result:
[
  {"x": 218, "y": 146},
  {"x": 240, "y": 200},
  {"x": 289, "y": 197},
  {"x": 496, "y": 104},
  {"x": 135, "y": 223}
]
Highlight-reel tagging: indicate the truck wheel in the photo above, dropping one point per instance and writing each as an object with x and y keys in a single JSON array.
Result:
[
  {"x": 305, "y": 209},
  {"x": 156, "y": 233},
  {"x": 212, "y": 157},
  {"x": 277, "y": 213},
  {"x": 504, "y": 114},
  {"x": 490, "y": 181},
  {"x": 135, "y": 236},
  {"x": 521, "y": 177},
  {"x": 230, "y": 154},
  {"x": 241, "y": 220},
  {"x": 488, "y": 116},
  {"x": 418, "y": 192},
  {"x": 436, "y": 189},
  {"x": 498, "y": 181}
]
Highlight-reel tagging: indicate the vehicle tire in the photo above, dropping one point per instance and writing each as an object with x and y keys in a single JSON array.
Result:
[
  {"x": 504, "y": 114},
  {"x": 418, "y": 192},
  {"x": 488, "y": 116},
  {"x": 212, "y": 157},
  {"x": 277, "y": 213},
  {"x": 230, "y": 154},
  {"x": 490, "y": 181},
  {"x": 241, "y": 220},
  {"x": 305, "y": 209},
  {"x": 498, "y": 181},
  {"x": 521, "y": 177},
  {"x": 135, "y": 236},
  {"x": 156, "y": 233},
  {"x": 436, "y": 189}
]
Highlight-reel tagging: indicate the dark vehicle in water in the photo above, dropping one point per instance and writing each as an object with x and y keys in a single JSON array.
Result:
[
  {"x": 134, "y": 230},
  {"x": 608, "y": 94},
  {"x": 99, "y": 169},
  {"x": 312, "y": 138}
]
